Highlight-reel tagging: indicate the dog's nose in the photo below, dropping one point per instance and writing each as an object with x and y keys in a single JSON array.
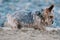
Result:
[{"x": 52, "y": 22}]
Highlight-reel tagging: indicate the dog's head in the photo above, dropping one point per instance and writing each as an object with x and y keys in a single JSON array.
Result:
[{"x": 47, "y": 16}]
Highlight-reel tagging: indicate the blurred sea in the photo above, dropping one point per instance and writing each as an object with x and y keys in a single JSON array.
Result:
[{"x": 11, "y": 6}]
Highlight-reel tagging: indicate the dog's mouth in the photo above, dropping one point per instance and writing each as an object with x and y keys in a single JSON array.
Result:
[{"x": 49, "y": 23}]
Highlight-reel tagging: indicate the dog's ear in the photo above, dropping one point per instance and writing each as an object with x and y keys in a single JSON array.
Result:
[{"x": 50, "y": 8}]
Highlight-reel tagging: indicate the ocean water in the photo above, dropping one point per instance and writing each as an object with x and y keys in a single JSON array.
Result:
[{"x": 26, "y": 6}]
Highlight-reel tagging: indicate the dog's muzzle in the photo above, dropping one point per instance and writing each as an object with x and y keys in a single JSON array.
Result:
[{"x": 52, "y": 22}]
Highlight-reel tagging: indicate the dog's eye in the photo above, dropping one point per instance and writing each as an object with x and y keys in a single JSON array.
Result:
[{"x": 50, "y": 16}]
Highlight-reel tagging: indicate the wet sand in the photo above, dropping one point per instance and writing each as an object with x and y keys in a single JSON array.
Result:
[{"x": 28, "y": 34}]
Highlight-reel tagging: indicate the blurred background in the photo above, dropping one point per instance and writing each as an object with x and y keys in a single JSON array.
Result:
[{"x": 26, "y": 6}]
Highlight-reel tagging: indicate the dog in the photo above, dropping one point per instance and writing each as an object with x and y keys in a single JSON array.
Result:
[
  {"x": 46, "y": 18},
  {"x": 41, "y": 20}
]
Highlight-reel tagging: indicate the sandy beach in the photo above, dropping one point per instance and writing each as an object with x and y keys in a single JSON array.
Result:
[{"x": 28, "y": 34}]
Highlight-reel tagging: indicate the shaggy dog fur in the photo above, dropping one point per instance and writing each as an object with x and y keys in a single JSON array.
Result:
[
  {"x": 12, "y": 22},
  {"x": 40, "y": 20}
]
